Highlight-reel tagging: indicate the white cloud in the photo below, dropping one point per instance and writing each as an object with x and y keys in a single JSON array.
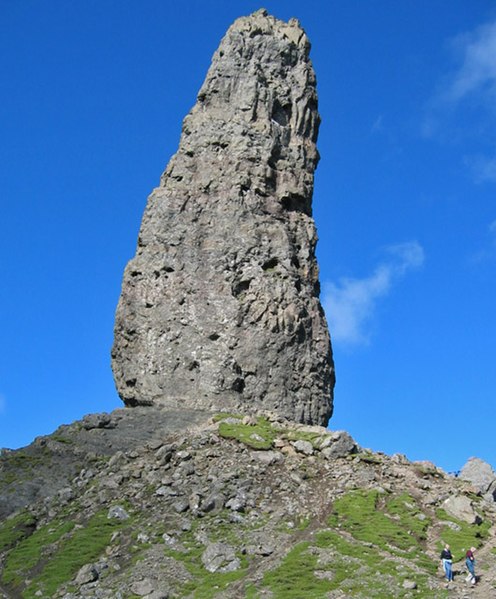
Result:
[
  {"x": 483, "y": 168},
  {"x": 465, "y": 108},
  {"x": 477, "y": 72},
  {"x": 350, "y": 304}
]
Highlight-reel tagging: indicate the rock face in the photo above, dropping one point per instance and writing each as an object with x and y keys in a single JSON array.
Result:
[
  {"x": 481, "y": 475},
  {"x": 220, "y": 306}
]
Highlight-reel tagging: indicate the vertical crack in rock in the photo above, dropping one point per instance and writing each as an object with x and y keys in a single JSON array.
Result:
[{"x": 220, "y": 305}]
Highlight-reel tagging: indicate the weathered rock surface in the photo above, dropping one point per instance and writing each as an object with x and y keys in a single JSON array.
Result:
[
  {"x": 481, "y": 475},
  {"x": 220, "y": 306},
  {"x": 47, "y": 466}
]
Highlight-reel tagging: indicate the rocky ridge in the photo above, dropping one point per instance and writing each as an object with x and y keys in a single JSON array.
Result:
[
  {"x": 220, "y": 306},
  {"x": 231, "y": 506}
]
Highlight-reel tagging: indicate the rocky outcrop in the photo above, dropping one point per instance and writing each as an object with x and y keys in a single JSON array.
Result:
[
  {"x": 482, "y": 476},
  {"x": 220, "y": 306},
  {"x": 233, "y": 506}
]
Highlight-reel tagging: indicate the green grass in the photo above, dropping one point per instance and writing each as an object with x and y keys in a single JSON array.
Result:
[
  {"x": 73, "y": 547},
  {"x": 392, "y": 525},
  {"x": 379, "y": 576},
  {"x": 296, "y": 435},
  {"x": 350, "y": 567},
  {"x": 15, "y": 529},
  {"x": 62, "y": 439},
  {"x": 468, "y": 535},
  {"x": 295, "y": 578},
  {"x": 257, "y": 436},
  {"x": 27, "y": 553}
]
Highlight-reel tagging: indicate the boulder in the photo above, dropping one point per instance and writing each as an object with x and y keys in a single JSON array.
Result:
[
  {"x": 479, "y": 473},
  {"x": 220, "y": 557},
  {"x": 341, "y": 444},
  {"x": 460, "y": 507},
  {"x": 87, "y": 574}
]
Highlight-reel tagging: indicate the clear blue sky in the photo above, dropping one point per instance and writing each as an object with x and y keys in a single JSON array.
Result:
[{"x": 92, "y": 95}]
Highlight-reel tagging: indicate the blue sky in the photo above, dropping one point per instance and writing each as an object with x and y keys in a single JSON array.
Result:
[{"x": 92, "y": 98}]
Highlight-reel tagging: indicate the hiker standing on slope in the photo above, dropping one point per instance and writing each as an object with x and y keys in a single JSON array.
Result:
[
  {"x": 447, "y": 561},
  {"x": 470, "y": 562}
]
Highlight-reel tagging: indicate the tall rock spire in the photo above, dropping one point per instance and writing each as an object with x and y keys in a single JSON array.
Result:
[{"x": 220, "y": 306}]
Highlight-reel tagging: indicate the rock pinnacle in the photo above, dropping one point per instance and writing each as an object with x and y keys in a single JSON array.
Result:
[{"x": 220, "y": 306}]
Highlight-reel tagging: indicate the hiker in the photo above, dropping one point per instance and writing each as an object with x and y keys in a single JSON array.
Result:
[
  {"x": 447, "y": 560},
  {"x": 470, "y": 562}
]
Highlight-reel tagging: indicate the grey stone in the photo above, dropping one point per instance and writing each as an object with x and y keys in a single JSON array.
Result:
[
  {"x": 87, "y": 574},
  {"x": 213, "y": 502},
  {"x": 92, "y": 421},
  {"x": 490, "y": 495},
  {"x": 238, "y": 503},
  {"x": 220, "y": 306},
  {"x": 182, "y": 505},
  {"x": 479, "y": 473},
  {"x": 158, "y": 595},
  {"x": 461, "y": 508},
  {"x": 304, "y": 447},
  {"x": 220, "y": 557},
  {"x": 65, "y": 495},
  {"x": 142, "y": 587},
  {"x": 409, "y": 584},
  {"x": 342, "y": 445},
  {"x": 268, "y": 457},
  {"x": 165, "y": 491},
  {"x": 194, "y": 502},
  {"x": 117, "y": 512},
  {"x": 183, "y": 455}
]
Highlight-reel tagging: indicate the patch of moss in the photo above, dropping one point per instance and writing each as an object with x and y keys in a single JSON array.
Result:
[
  {"x": 257, "y": 436},
  {"x": 333, "y": 563},
  {"x": 465, "y": 536},
  {"x": 15, "y": 529},
  {"x": 368, "y": 457},
  {"x": 72, "y": 548},
  {"x": 251, "y": 592},
  {"x": 26, "y": 555},
  {"x": 62, "y": 439},
  {"x": 296, "y": 435},
  {"x": 390, "y": 525},
  {"x": 295, "y": 525},
  {"x": 295, "y": 577}
]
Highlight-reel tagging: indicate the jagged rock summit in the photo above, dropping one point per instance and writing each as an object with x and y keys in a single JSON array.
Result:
[{"x": 220, "y": 306}]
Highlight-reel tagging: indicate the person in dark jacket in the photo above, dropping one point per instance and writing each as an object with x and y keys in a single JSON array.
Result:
[
  {"x": 470, "y": 563},
  {"x": 447, "y": 561}
]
